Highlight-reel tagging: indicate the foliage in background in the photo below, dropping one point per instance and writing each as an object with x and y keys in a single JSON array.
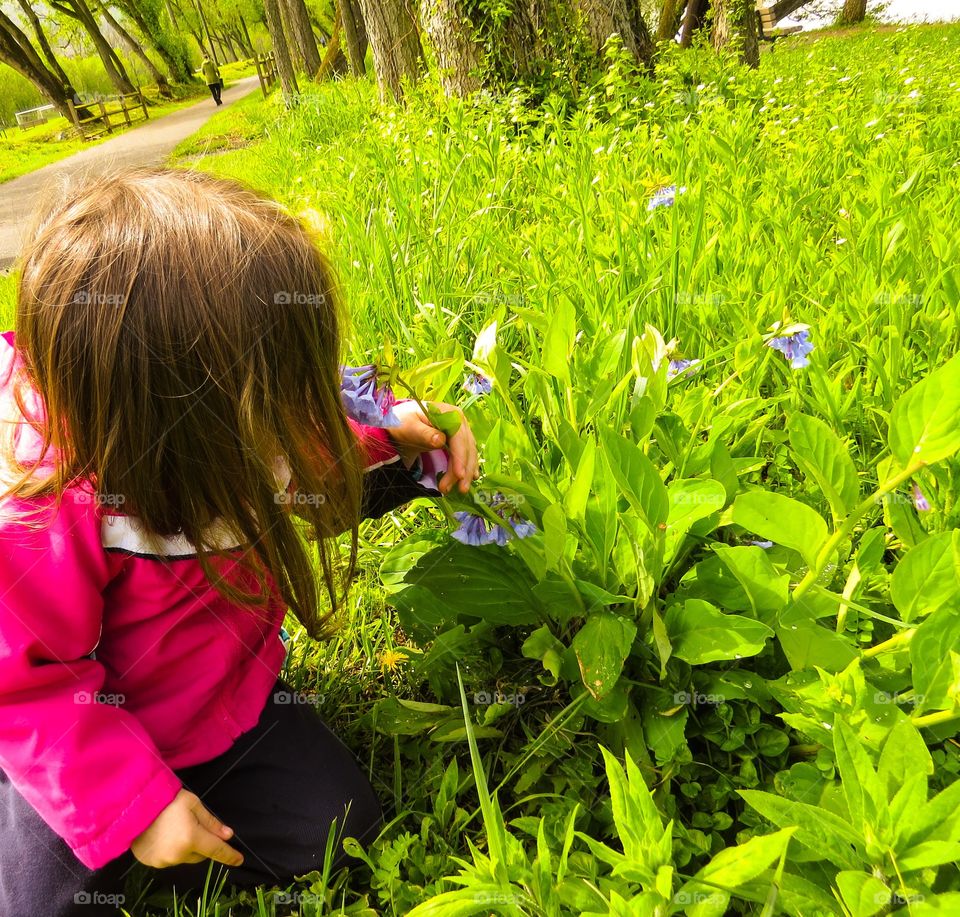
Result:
[{"x": 722, "y": 676}]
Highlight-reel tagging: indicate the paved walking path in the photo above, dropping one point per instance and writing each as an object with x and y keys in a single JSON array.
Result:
[{"x": 144, "y": 145}]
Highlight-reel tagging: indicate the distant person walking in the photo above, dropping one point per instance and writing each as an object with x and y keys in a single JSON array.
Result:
[{"x": 212, "y": 75}]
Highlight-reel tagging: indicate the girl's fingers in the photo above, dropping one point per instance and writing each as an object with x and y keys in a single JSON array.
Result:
[{"x": 213, "y": 848}]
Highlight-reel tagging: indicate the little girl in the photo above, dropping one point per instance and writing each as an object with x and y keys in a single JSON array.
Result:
[{"x": 171, "y": 433}]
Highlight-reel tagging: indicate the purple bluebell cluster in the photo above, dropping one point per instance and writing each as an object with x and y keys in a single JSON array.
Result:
[
  {"x": 477, "y": 384},
  {"x": 477, "y": 530},
  {"x": 363, "y": 400},
  {"x": 762, "y": 544},
  {"x": 664, "y": 197},
  {"x": 679, "y": 367},
  {"x": 919, "y": 500},
  {"x": 795, "y": 347}
]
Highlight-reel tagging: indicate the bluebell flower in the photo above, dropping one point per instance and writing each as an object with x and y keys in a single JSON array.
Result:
[
  {"x": 477, "y": 384},
  {"x": 919, "y": 500},
  {"x": 762, "y": 544},
  {"x": 678, "y": 367},
  {"x": 477, "y": 530},
  {"x": 664, "y": 197},
  {"x": 795, "y": 347},
  {"x": 473, "y": 529},
  {"x": 363, "y": 400}
]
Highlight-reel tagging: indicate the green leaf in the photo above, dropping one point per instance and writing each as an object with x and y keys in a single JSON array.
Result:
[
  {"x": 806, "y": 644},
  {"x": 448, "y": 422},
  {"x": 733, "y": 867},
  {"x": 823, "y": 457},
  {"x": 395, "y": 717},
  {"x": 558, "y": 340},
  {"x": 690, "y": 500},
  {"x": 782, "y": 520},
  {"x": 767, "y": 590},
  {"x": 554, "y": 534},
  {"x": 575, "y": 499},
  {"x": 601, "y": 647},
  {"x": 923, "y": 422},
  {"x": 931, "y": 659},
  {"x": 701, "y": 633},
  {"x": 865, "y": 794},
  {"x": 820, "y": 831},
  {"x": 646, "y": 840},
  {"x": 484, "y": 582},
  {"x": 637, "y": 478},
  {"x": 904, "y": 755},
  {"x": 862, "y": 893},
  {"x": 927, "y": 577}
]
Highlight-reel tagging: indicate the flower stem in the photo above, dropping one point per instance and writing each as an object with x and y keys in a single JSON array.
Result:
[{"x": 847, "y": 528}]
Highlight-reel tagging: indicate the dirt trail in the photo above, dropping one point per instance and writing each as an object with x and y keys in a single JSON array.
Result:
[{"x": 144, "y": 145}]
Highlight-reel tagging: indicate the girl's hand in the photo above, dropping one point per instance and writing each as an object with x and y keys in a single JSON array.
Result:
[
  {"x": 185, "y": 832},
  {"x": 416, "y": 434}
]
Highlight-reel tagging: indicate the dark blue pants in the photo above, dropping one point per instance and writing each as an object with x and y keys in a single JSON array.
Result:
[{"x": 279, "y": 787}]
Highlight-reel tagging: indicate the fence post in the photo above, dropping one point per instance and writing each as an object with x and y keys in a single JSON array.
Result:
[
  {"x": 73, "y": 114},
  {"x": 263, "y": 88}
]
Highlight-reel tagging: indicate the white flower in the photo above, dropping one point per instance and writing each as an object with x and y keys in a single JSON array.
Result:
[{"x": 839, "y": 241}]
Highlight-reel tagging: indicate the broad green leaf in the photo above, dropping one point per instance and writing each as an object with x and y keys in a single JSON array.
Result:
[
  {"x": 394, "y": 717},
  {"x": 484, "y": 582},
  {"x": 558, "y": 340},
  {"x": 783, "y": 520},
  {"x": 904, "y": 754},
  {"x": 865, "y": 794},
  {"x": 767, "y": 590},
  {"x": 543, "y": 645},
  {"x": 927, "y": 577},
  {"x": 862, "y": 893},
  {"x": 575, "y": 499},
  {"x": 731, "y": 868},
  {"x": 923, "y": 422},
  {"x": 701, "y": 633},
  {"x": 690, "y": 500},
  {"x": 823, "y": 457},
  {"x": 825, "y": 835},
  {"x": 806, "y": 644},
  {"x": 601, "y": 646},
  {"x": 637, "y": 478},
  {"x": 554, "y": 534},
  {"x": 448, "y": 422},
  {"x": 932, "y": 659},
  {"x": 927, "y": 854}
]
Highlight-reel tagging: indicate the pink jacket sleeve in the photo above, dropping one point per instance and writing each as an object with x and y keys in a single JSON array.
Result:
[{"x": 88, "y": 767}]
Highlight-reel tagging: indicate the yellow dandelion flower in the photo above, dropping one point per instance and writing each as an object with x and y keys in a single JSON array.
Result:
[{"x": 391, "y": 659}]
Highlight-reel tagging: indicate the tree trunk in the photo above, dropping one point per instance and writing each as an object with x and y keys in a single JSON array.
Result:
[
  {"x": 18, "y": 53},
  {"x": 693, "y": 20},
  {"x": 251, "y": 50},
  {"x": 79, "y": 10},
  {"x": 162, "y": 85},
  {"x": 669, "y": 19},
  {"x": 458, "y": 55},
  {"x": 735, "y": 26},
  {"x": 45, "y": 49},
  {"x": 163, "y": 38},
  {"x": 288, "y": 80},
  {"x": 354, "y": 34},
  {"x": 302, "y": 43},
  {"x": 853, "y": 11},
  {"x": 395, "y": 43},
  {"x": 617, "y": 17}
]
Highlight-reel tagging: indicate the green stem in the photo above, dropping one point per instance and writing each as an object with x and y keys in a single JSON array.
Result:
[
  {"x": 894, "y": 643},
  {"x": 935, "y": 719},
  {"x": 847, "y": 528}
]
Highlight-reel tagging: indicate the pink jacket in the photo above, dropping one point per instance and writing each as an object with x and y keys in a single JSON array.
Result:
[{"x": 118, "y": 665}]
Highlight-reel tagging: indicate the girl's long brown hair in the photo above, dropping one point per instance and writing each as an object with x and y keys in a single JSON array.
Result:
[{"x": 183, "y": 331}]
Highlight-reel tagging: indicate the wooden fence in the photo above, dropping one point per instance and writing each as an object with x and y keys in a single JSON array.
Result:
[
  {"x": 98, "y": 119},
  {"x": 266, "y": 71}
]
